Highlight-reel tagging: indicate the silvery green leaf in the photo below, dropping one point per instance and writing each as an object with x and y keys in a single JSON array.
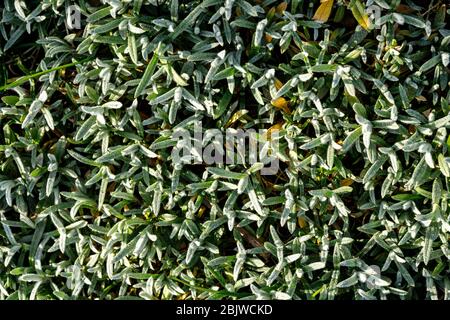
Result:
[
  {"x": 98, "y": 15},
  {"x": 374, "y": 169},
  {"x": 240, "y": 259},
  {"x": 193, "y": 246},
  {"x": 48, "y": 118},
  {"x": 430, "y": 63},
  {"x": 50, "y": 183},
  {"x": 14, "y": 37},
  {"x": 443, "y": 165},
  {"x": 352, "y": 138},
  {"x": 314, "y": 266},
  {"x": 85, "y": 129},
  {"x": 112, "y": 105},
  {"x": 223, "y": 173},
  {"x": 255, "y": 201},
  {"x": 192, "y": 100},
  {"x": 274, "y": 274},
  {"x": 416, "y": 22},
  {"x": 242, "y": 185},
  {"x": 29, "y": 277},
  {"x": 102, "y": 193},
  {"x": 163, "y": 97},
  {"x": 259, "y": 32},
  {"x": 315, "y": 142},
  {"x": 349, "y": 281},
  {"x": 225, "y": 73},
  {"x": 147, "y": 152},
  {"x": 132, "y": 48},
  {"x": 146, "y": 78},
  {"x": 430, "y": 236},
  {"x": 445, "y": 121}
]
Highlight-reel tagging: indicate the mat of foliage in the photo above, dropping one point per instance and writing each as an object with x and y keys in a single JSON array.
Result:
[{"x": 92, "y": 205}]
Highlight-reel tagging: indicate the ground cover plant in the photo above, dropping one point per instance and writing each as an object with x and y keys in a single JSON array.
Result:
[{"x": 355, "y": 93}]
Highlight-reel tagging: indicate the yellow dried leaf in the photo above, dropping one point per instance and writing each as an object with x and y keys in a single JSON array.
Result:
[
  {"x": 364, "y": 21},
  {"x": 278, "y": 84},
  {"x": 301, "y": 222},
  {"x": 272, "y": 129},
  {"x": 281, "y": 7},
  {"x": 268, "y": 37},
  {"x": 236, "y": 116},
  {"x": 183, "y": 296},
  {"x": 201, "y": 211},
  {"x": 346, "y": 182},
  {"x": 421, "y": 98},
  {"x": 324, "y": 11},
  {"x": 360, "y": 14},
  {"x": 281, "y": 103}
]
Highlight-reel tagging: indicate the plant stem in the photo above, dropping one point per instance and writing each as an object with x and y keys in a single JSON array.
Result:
[{"x": 24, "y": 79}]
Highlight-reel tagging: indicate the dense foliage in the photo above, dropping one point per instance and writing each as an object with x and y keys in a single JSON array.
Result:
[{"x": 93, "y": 205}]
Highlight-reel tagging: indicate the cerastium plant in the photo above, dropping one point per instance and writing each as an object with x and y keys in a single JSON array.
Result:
[{"x": 100, "y": 199}]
